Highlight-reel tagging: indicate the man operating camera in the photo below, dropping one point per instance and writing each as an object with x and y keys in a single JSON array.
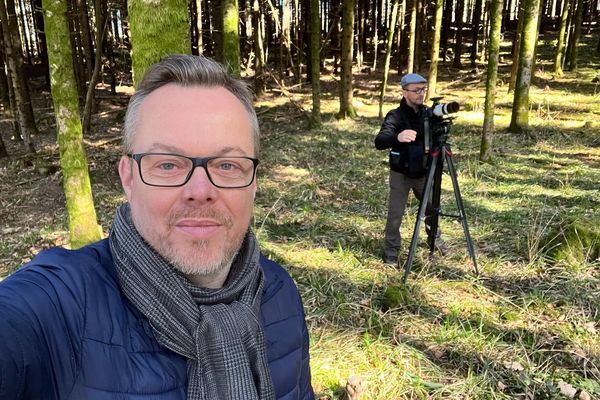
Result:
[{"x": 403, "y": 132}]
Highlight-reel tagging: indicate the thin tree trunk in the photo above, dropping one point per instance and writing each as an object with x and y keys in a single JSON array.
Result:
[
  {"x": 435, "y": 49},
  {"x": 560, "y": 42},
  {"x": 259, "y": 70},
  {"x": 459, "y": 34},
  {"x": 388, "y": 56},
  {"x": 231, "y": 37},
  {"x": 476, "y": 28},
  {"x": 346, "y": 96},
  {"x": 412, "y": 36},
  {"x": 86, "y": 37},
  {"x": 101, "y": 22},
  {"x": 199, "y": 30},
  {"x": 158, "y": 28},
  {"x": 375, "y": 22},
  {"x": 315, "y": 46},
  {"x": 516, "y": 49},
  {"x": 360, "y": 27},
  {"x": 485, "y": 152},
  {"x": 576, "y": 35},
  {"x": 14, "y": 62},
  {"x": 3, "y": 152},
  {"x": 520, "y": 110},
  {"x": 401, "y": 49},
  {"x": 83, "y": 225},
  {"x": 446, "y": 23}
]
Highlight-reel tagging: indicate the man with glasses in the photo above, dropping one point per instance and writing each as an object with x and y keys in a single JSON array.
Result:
[
  {"x": 178, "y": 302},
  {"x": 402, "y": 132}
]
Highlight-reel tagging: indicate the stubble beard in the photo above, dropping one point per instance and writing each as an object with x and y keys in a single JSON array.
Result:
[{"x": 196, "y": 257}]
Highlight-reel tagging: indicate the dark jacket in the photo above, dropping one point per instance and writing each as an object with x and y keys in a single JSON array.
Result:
[
  {"x": 406, "y": 158},
  {"x": 67, "y": 332}
]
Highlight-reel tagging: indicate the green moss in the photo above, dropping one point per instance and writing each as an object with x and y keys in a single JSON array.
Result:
[
  {"x": 158, "y": 28},
  {"x": 574, "y": 242}
]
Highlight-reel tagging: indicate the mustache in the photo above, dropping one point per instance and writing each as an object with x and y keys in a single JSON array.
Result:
[{"x": 204, "y": 212}]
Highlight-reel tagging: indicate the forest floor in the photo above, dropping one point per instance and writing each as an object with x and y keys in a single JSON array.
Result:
[{"x": 525, "y": 327}]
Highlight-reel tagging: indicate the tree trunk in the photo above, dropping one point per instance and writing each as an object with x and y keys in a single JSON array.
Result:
[
  {"x": 86, "y": 37},
  {"x": 83, "y": 226},
  {"x": 101, "y": 22},
  {"x": 401, "y": 36},
  {"x": 435, "y": 49},
  {"x": 485, "y": 152},
  {"x": 158, "y": 28},
  {"x": 286, "y": 42},
  {"x": 231, "y": 37},
  {"x": 259, "y": 70},
  {"x": 520, "y": 110},
  {"x": 14, "y": 62},
  {"x": 38, "y": 17},
  {"x": 459, "y": 34},
  {"x": 576, "y": 35},
  {"x": 315, "y": 62},
  {"x": 388, "y": 56},
  {"x": 360, "y": 27},
  {"x": 476, "y": 28},
  {"x": 3, "y": 152},
  {"x": 412, "y": 38},
  {"x": 375, "y": 26},
  {"x": 4, "y": 96},
  {"x": 446, "y": 22},
  {"x": 516, "y": 49},
  {"x": 560, "y": 42},
  {"x": 346, "y": 107}
]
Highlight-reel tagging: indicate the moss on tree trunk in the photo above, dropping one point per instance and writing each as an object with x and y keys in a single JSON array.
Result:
[
  {"x": 520, "y": 110},
  {"x": 231, "y": 37},
  {"x": 158, "y": 28},
  {"x": 485, "y": 152},
  {"x": 83, "y": 227}
]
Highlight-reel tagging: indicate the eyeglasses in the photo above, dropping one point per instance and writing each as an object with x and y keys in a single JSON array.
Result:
[
  {"x": 172, "y": 170},
  {"x": 417, "y": 91}
]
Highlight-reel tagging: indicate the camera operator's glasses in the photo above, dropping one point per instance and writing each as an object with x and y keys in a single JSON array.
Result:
[
  {"x": 172, "y": 170},
  {"x": 417, "y": 91}
]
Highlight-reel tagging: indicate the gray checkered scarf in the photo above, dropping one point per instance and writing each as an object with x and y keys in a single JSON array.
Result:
[{"x": 217, "y": 330}]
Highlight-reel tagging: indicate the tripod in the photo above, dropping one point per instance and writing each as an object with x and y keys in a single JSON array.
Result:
[{"x": 438, "y": 154}]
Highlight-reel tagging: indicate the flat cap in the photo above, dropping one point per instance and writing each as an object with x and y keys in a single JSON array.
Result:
[{"x": 411, "y": 78}]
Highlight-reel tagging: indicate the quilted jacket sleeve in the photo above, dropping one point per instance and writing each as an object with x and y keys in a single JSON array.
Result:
[{"x": 32, "y": 326}]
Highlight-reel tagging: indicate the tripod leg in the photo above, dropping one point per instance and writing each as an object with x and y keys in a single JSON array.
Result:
[
  {"x": 421, "y": 214},
  {"x": 434, "y": 218},
  {"x": 459, "y": 205}
]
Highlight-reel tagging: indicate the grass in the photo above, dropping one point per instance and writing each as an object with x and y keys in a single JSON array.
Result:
[{"x": 526, "y": 327}]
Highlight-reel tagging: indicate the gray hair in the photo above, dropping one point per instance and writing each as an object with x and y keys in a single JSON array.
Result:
[{"x": 187, "y": 70}]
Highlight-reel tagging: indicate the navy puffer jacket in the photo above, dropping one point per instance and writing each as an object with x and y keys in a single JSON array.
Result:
[{"x": 67, "y": 332}]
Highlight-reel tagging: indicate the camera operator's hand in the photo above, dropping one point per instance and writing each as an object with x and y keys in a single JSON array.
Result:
[{"x": 407, "y": 135}]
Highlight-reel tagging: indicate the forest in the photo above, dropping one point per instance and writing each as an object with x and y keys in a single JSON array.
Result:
[{"x": 526, "y": 145}]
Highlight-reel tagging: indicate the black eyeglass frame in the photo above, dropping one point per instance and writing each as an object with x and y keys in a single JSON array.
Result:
[
  {"x": 417, "y": 91},
  {"x": 196, "y": 162}
]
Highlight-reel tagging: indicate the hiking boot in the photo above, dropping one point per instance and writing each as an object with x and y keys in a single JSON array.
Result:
[{"x": 392, "y": 261}]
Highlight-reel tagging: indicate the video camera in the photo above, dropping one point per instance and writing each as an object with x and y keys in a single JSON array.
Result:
[{"x": 439, "y": 118}]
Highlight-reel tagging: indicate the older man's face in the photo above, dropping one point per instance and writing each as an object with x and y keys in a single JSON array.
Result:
[{"x": 197, "y": 227}]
